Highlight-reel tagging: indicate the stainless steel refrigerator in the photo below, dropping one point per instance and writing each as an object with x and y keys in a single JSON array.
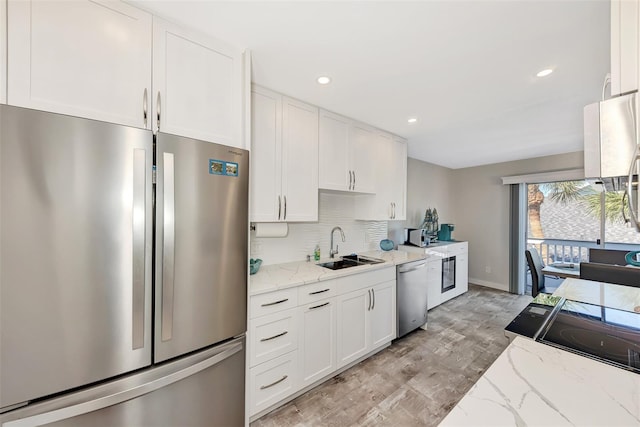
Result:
[{"x": 123, "y": 275}]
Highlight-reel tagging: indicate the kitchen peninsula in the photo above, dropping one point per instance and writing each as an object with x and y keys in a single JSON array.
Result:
[{"x": 533, "y": 383}]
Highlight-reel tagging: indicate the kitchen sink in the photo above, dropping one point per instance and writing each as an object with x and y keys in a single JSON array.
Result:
[{"x": 350, "y": 261}]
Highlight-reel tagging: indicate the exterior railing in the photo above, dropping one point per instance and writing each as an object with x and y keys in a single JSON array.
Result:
[{"x": 576, "y": 251}]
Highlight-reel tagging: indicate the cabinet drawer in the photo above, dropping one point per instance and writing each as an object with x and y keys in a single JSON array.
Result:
[
  {"x": 272, "y": 336},
  {"x": 316, "y": 291},
  {"x": 272, "y": 381},
  {"x": 354, "y": 282},
  {"x": 272, "y": 302}
]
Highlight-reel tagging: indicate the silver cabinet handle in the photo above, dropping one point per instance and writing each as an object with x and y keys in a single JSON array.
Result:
[
  {"x": 168, "y": 246},
  {"x": 139, "y": 219},
  {"x": 369, "y": 293},
  {"x": 394, "y": 210},
  {"x": 373, "y": 304},
  {"x": 279, "y": 207},
  {"x": 158, "y": 105},
  {"x": 354, "y": 180},
  {"x": 275, "y": 336},
  {"x": 145, "y": 102},
  {"x": 319, "y": 292},
  {"x": 274, "y": 303},
  {"x": 274, "y": 383},
  {"x": 318, "y": 306},
  {"x": 284, "y": 217},
  {"x": 350, "y": 180}
]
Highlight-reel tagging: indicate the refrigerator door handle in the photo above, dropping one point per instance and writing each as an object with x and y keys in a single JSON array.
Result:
[
  {"x": 168, "y": 246},
  {"x": 129, "y": 390},
  {"x": 139, "y": 216}
]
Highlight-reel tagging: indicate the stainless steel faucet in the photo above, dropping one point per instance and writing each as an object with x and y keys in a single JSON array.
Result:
[{"x": 331, "y": 251}]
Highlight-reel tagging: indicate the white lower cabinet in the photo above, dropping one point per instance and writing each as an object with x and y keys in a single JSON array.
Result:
[
  {"x": 272, "y": 381},
  {"x": 317, "y": 349},
  {"x": 353, "y": 321},
  {"x": 334, "y": 323},
  {"x": 382, "y": 316},
  {"x": 434, "y": 283}
]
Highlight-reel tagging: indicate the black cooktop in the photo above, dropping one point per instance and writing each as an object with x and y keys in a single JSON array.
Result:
[{"x": 606, "y": 334}]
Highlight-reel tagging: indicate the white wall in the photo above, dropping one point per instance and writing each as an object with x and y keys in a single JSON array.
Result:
[
  {"x": 335, "y": 209},
  {"x": 480, "y": 206}
]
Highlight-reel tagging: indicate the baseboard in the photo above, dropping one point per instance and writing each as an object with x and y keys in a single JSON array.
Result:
[{"x": 498, "y": 286}]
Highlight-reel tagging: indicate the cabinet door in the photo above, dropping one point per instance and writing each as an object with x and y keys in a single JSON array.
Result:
[
  {"x": 382, "y": 316},
  {"x": 197, "y": 83},
  {"x": 272, "y": 381},
  {"x": 462, "y": 273},
  {"x": 266, "y": 150},
  {"x": 362, "y": 157},
  {"x": 333, "y": 151},
  {"x": 434, "y": 283},
  {"x": 353, "y": 325},
  {"x": 385, "y": 177},
  {"x": 625, "y": 44},
  {"x": 82, "y": 58},
  {"x": 317, "y": 340},
  {"x": 399, "y": 179},
  {"x": 299, "y": 161}
]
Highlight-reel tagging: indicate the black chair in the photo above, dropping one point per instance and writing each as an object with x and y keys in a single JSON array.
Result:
[
  {"x": 607, "y": 256},
  {"x": 534, "y": 261},
  {"x": 619, "y": 275}
]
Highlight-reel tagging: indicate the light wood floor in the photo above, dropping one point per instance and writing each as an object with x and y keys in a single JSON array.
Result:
[{"x": 420, "y": 377}]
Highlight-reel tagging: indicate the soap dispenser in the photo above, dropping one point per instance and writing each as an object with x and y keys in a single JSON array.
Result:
[{"x": 316, "y": 253}]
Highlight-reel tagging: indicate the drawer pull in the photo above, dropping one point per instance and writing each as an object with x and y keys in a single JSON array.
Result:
[
  {"x": 275, "y": 336},
  {"x": 318, "y": 306},
  {"x": 275, "y": 302},
  {"x": 319, "y": 292},
  {"x": 274, "y": 383}
]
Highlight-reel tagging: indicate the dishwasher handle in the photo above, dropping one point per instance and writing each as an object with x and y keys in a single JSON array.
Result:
[{"x": 411, "y": 267}]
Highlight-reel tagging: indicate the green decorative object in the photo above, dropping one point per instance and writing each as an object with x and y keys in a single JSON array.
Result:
[{"x": 254, "y": 265}]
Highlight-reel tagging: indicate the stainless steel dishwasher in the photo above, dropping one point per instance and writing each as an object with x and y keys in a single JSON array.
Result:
[{"x": 411, "y": 296}]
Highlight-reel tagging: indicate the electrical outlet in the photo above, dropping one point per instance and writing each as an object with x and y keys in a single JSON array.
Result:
[{"x": 487, "y": 269}]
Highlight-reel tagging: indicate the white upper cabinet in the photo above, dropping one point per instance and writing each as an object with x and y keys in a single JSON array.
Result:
[
  {"x": 390, "y": 163},
  {"x": 625, "y": 46},
  {"x": 284, "y": 158},
  {"x": 346, "y": 153},
  {"x": 83, "y": 58},
  {"x": 197, "y": 85},
  {"x": 335, "y": 173}
]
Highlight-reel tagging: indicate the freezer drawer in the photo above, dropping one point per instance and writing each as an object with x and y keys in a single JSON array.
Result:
[{"x": 205, "y": 389}]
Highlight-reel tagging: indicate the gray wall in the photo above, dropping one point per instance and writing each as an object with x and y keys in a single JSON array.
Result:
[
  {"x": 476, "y": 201},
  {"x": 428, "y": 186}
]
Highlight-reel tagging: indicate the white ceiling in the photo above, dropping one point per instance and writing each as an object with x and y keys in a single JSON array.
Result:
[{"x": 466, "y": 69}]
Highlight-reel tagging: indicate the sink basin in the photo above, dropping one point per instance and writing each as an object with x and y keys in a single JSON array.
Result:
[
  {"x": 350, "y": 261},
  {"x": 363, "y": 259}
]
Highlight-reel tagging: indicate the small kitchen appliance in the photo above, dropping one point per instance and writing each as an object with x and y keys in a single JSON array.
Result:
[
  {"x": 417, "y": 237},
  {"x": 445, "y": 232}
]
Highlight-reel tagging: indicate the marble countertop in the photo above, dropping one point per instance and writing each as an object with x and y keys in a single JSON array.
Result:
[
  {"x": 280, "y": 276},
  {"x": 598, "y": 293},
  {"x": 536, "y": 384}
]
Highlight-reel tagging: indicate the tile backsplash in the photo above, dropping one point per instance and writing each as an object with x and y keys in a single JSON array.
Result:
[{"x": 335, "y": 209}]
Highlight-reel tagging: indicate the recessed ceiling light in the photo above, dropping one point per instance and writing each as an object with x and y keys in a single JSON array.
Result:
[
  {"x": 412, "y": 119},
  {"x": 545, "y": 72},
  {"x": 324, "y": 80}
]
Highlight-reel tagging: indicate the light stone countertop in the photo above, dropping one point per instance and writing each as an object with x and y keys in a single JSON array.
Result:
[
  {"x": 535, "y": 384},
  {"x": 281, "y": 276},
  {"x": 598, "y": 293}
]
